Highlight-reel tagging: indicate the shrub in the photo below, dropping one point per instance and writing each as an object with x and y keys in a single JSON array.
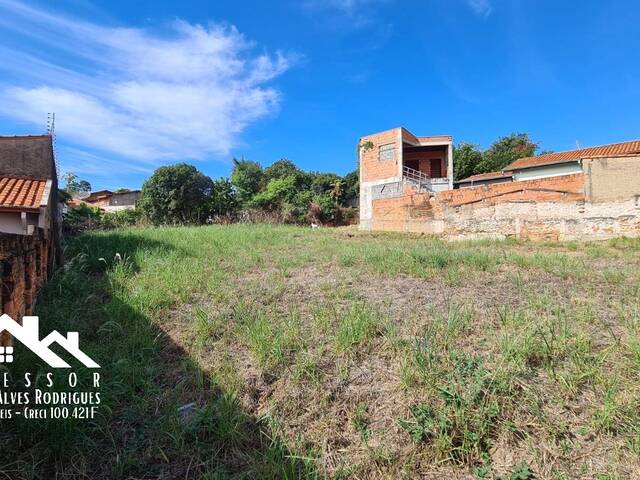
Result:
[
  {"x": 81, "y": 218},
  {"x": 85, "y": 217},
  {"x": 296, "y": 210},
  {"x": 278, "y": 191},
  {"x": 121, "y": 218},
  {"x": 323, "y": 209},
  {"x": 348, "y": 215}
]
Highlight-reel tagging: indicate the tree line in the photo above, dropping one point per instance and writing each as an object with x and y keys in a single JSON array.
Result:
[{"x": 281, "y": 192}]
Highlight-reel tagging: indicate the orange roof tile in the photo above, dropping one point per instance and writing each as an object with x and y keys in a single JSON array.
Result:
[
  {"x": 21, "y": 193},
  {"x": 612, "y": 150}
]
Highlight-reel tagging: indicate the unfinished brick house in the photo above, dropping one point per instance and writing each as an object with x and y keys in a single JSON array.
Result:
[
  {"x": 29, "y": 221},
  {"x": 395, "y": 162},
  {"x": 590, "y": 193}
]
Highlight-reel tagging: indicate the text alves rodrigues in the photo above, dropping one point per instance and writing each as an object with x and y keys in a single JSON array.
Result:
[{"x": 69, "y": 394}]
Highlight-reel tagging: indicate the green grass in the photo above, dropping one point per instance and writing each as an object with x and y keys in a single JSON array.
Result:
[
  {"x": 334, "y": 354},
  {"x": 357, "y": 326}
]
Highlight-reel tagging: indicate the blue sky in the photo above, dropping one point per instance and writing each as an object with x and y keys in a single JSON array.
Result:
[{"x": 136, "y": 85}]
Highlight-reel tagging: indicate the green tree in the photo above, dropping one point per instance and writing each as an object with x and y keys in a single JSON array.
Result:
[
  {"x": 248, "y": 178},
  {"x": 74, "y": 185},
  {"x": 323, "y": 182},
  {"x": 121, "y": 190},
  {"x": 177, "y": 194},
  {"x": 466, "y": 158},
  {"x": 281, "y": 168},
  {"x": 506, "y": 150},
  {"x": 277, "y": 192},
  {"x": 351, "y": 185},
  {"x": 224, "y": 198}
]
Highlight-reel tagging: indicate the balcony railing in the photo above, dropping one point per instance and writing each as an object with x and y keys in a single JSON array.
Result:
[
  {"x": 421, "y": 181},
  {"x": 415, "y": 175}
]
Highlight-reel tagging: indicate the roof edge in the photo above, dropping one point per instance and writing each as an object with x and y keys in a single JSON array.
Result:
[
  {"x": 509, "y": 168},
  {"x": 44, "y": 200},
  {"x": 484, "y": 176}
]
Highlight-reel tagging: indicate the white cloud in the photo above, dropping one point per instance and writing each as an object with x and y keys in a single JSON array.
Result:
[
  {"x": 186, "y": 94},
  {"x": 481, "y": 8}
]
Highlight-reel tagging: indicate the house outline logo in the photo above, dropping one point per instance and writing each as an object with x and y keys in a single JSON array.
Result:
[{"x": 28, "y": 334}]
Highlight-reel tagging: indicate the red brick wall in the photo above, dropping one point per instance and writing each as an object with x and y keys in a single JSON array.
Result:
[
  {"x": 24, "y": 266},
  {"x": 371, "y": 167},
  {"x": 410, "y": 212},
  {"x": 558, "y": 189},
  {"x": 414, "y": 212}
]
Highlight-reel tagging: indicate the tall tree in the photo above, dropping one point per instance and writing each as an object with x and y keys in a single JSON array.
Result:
[
  {"x": 506, "y": 150},
  {"x": 75, "y": 186},
  {"x": 466, "y": 158},
  {"x": 177, "y": 194},
  {"x": 248, "y": 178}
]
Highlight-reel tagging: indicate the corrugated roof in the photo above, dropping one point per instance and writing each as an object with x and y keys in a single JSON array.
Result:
[
  {"x": 21, "y": 193},
  {"x": 485, "y": 176},
  {"x": 611, "y": 150}
]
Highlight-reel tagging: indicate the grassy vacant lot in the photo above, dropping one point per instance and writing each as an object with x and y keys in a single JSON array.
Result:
[{"x": 335, "y": 354}]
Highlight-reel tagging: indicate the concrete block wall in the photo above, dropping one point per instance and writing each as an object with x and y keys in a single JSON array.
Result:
[
  {"x": 612, "y": 179},
  {"x": 535, "y": 220}
]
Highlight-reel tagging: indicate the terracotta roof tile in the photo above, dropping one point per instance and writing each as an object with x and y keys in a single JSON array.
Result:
[
  {"x": 21, "y": 193},
  {"x": 612, "y": 150}
]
